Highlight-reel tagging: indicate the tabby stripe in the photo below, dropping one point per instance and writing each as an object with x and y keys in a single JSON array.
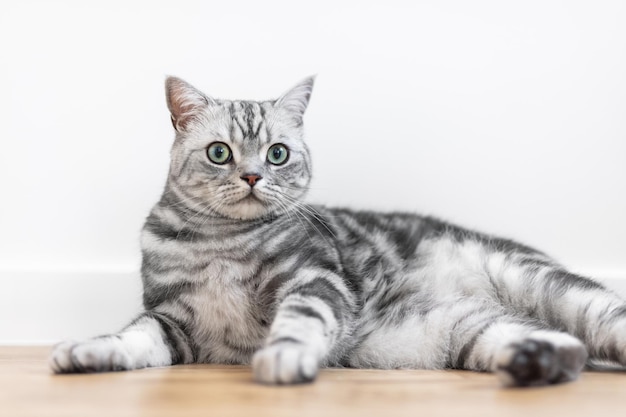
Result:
[
  {"x": 324, "y": 290},
  {"x": 559, "y": 281},
  {"x": 468, "y": 347},
  {"x": 250, "y": 117},
  {"x": 306, "y": 279},
  {"x": 173, "y": 331},
  {"x": 306, "y": 311},
  {"x": 285, "y": 339},
  {"x": 155, "y": 295},
  {"x": 243, "y": 132}
]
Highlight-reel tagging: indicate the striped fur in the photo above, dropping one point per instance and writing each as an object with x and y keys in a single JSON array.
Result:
[{"x": 243, "y": 274}]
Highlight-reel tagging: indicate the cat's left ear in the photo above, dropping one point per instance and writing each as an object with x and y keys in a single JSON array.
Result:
[{"x": 296, "y": 100}]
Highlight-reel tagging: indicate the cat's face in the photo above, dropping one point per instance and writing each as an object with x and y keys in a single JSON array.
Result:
[{"x": 238, "y": 159}]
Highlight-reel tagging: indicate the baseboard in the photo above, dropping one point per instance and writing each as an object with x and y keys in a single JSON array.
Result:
[{"x": 43, "y": 307}]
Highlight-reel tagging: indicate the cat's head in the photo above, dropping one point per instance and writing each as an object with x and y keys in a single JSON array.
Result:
[{"x": 238, "y": 159}]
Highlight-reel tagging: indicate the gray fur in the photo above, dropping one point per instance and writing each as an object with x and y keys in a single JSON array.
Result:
[{"x": 235, "y": 273}]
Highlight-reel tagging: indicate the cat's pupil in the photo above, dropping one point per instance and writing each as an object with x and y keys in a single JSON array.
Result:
[
  {"x": 277, "y": 153},
  {"x": 218, "y": 152}
]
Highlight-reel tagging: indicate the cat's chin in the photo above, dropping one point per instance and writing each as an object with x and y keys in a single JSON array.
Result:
[{"x": 248, "y": 209}]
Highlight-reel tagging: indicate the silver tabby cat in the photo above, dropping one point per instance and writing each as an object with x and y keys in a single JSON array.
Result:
[{"x": 238, "y": 270}]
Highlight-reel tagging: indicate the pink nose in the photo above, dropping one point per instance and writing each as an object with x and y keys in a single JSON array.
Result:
[{"x": 251, "y": 179}]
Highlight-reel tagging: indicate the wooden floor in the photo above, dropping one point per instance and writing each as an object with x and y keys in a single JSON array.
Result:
[{"x": 28, "y": 389}]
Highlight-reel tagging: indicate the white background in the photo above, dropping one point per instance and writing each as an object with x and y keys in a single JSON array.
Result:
[{"x": 509, "y": 117}]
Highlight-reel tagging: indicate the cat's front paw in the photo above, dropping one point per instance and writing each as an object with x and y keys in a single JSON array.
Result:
[
  {"x": 96, "y": 355},
  {"x": 285, "y": 363}
]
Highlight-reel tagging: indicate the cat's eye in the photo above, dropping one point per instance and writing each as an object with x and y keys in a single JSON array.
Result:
[
  {"x": 277, "y": 154},
  {"x": 219, "y": 153}
]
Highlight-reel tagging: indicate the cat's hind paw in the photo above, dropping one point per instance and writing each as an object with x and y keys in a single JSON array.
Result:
[
  {"x": 95, "y": 355},
  {"x": 285, "y": 363},
  {"x": 541, "y": 360}
]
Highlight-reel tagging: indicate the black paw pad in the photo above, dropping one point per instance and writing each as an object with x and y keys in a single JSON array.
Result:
[{"x": 532, "y": 363}]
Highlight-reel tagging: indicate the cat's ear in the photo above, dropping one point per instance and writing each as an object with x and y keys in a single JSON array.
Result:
[
  {"x": 296, "y": 100},
  {"x": 184, "y": 102}
]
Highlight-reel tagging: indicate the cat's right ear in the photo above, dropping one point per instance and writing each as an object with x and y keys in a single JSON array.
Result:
[{"x": 184, "y": 102}]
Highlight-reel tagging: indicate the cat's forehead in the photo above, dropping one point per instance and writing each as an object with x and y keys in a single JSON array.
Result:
[{"x": 246, "y": 123}]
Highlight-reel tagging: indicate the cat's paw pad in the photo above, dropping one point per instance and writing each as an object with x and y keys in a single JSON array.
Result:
[
  {"x": 533, "y": 362},
  {"x": 96, "y": 355},
  {"x": 285, "y": 363}
]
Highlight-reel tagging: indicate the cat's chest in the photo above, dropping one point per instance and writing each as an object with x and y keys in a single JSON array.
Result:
[{"x": 230, "y": 324}]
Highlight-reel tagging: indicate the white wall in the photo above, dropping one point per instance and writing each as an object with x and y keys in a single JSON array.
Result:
[{"x": 504, "y": 116}]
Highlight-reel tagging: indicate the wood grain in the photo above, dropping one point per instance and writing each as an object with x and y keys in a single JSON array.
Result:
[{"x": 28, "y": 389}]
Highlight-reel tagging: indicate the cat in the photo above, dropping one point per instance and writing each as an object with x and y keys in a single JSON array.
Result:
[{"x": 237, "y": 269}]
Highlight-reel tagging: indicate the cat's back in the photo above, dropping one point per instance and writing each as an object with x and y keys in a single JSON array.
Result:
[
  {"x": 399, "y": 240},
  {"x": 369, "y": 238}
]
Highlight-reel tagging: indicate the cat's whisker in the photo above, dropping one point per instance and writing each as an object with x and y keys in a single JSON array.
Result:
[
  {"x": 188, "y": 220},
  {"x": 300, "y": 213},
  {"x": 278, "y": 189},
  {"x": 185, "y": 203},
  {"x": 304, "y": 211},
  {"x": 289, "y": 211},
  {"x": 297, "y": 188},
  {"x": 215, "y": 208},
  {"x": 201, "y": 212},
  {"x": 309, "y": 210}
]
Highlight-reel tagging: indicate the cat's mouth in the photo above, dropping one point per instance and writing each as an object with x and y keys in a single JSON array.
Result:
[{"x": 251, "y": 197}]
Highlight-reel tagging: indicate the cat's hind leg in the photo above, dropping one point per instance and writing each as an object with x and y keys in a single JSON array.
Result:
[
  {"x": 470, "y": 333},
  {"x": 529, "y": 284},
  {"x": 566, "y": 301},
  {"x": 153, "y": 339},
  {"x": 519, "y": 351}
]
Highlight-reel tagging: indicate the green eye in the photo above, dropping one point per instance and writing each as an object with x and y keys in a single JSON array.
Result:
[
  {"x": 277, "y": 154},
  {"x": 219, "y": 153}
]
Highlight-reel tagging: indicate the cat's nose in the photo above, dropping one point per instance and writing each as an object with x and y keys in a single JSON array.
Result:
[{"x": 251, "y": 179}]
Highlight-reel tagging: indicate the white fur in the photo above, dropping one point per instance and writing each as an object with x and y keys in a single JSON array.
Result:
[
  {"x": 285, "y": 364},
  {"x": 222, "y": 305},
  {"x": 138, "y": 347}
]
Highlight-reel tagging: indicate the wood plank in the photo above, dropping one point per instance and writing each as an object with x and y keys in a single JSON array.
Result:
[{"x": 27, "y": 388}]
